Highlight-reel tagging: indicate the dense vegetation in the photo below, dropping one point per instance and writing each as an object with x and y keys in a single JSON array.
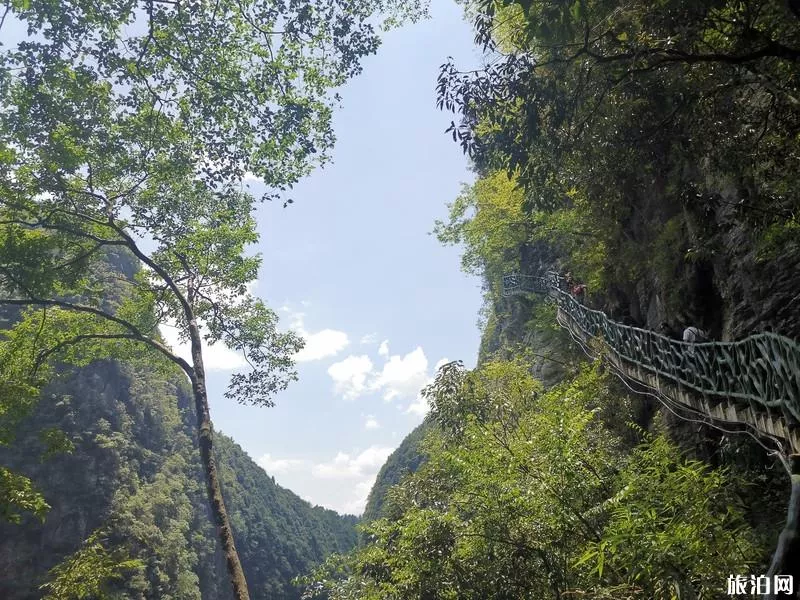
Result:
[
  {"x": 655, "y": 147},
  {"x": 127, "y": 509},
  {"x": 649, "y": 148},
  {"x": 533, "y": 493},
  {"x": 404, "y": 460}
]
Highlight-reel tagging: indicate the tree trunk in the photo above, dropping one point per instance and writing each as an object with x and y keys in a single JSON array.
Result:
[
  {"x": 205, "y": 437},
  {"x": 787, "y": 555}
]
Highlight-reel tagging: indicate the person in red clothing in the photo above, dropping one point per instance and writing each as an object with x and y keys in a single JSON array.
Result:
[{"x": 579, "y": 292}]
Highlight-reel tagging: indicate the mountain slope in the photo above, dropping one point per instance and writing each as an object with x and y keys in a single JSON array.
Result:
[
  {"x": 134, "y": 476},
  {"x": 406, "y": 458}
]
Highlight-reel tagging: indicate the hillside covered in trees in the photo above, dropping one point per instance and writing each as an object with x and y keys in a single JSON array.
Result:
[{"x": 131, "y": 486}]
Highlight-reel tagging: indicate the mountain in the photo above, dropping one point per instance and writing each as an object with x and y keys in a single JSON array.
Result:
[{"x": 134, "y": 478}]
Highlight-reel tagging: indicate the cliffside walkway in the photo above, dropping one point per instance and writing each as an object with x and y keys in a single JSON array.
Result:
[{"x": 754, "y": 382}]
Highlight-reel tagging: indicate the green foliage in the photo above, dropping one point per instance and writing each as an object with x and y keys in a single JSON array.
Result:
[
  {"x": 533, "y": 494},
  {"x": 584, "y": 238},
  {"x": 543, "y": 318},
  {"x": 778, "y": 239},
  {"x": 87, "y": 573},
  {"x": 134, "y": 476},
  {"x": 669, "y": 262},
  {"x": 488, "y": 219},
  {"x": 675, "y": 529},
  {"x": 279, "y": 535},
  {"x": 617, "y": 119},
  {"x": 18, "y": 494},
  {"x": 241, "y": 86},
  {"x": 406, "y": 459}
]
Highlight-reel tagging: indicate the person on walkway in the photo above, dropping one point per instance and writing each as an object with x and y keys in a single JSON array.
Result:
[
  {"x": 568, "y": 282},
  {"x": 579, "y": 292},
  {"x": 695, "y": 335}
]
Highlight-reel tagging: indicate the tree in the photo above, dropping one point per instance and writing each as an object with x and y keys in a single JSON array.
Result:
[
  {"x": 488, "y": 218},
  {"x": 86, "y": 573},
  {"x": 675, "y": 528},
  {"x": 593, "y": 76},
  {"x": 127, "y": 127},
  {"x": 530, "y": 493}
]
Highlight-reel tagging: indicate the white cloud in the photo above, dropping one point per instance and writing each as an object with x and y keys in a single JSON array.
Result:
[
  {"x": 275, "y": 466},
  {"x": 370, "y": 338},
  {"x": 363, "y": 468},
  {"x": 371, "y": 423},
  {"x": 252, "y": 178},
  {"x": 295, "y": 318},
  {"x": 400, "y": 376},
  {"x": 350, "y": 375},
  {"x": 403, "y": 376},
  {"x": 344, "y": 466},
  {"x": 321, "y": 344},
  {"x": 341, "y": 483},
  {"x": 418, "y": 407},
  {"x": 360, "y": 494}
]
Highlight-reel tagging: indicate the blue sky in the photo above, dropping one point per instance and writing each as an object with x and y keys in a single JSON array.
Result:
[{"x": 351, "y": 266}]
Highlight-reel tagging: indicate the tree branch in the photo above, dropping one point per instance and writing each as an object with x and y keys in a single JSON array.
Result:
[
  {"x": 135, "y": 333},
  {"x": 42, "y": 356},
  {"x": 165, "y": 277}
]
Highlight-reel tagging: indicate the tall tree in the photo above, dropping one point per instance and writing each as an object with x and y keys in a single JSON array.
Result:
[
  {"x": 716, "y": 80},
  {"x": 130, "y": 125}
]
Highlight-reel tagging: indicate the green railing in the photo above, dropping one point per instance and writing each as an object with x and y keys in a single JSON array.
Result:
[{"x": 762, "y": 370}]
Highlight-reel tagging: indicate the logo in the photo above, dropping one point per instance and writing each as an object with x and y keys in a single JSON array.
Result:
[{"x": 761, "y": 584}]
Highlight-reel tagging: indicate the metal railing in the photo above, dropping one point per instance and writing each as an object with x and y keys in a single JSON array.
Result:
[{"x": 762, "y": 370}]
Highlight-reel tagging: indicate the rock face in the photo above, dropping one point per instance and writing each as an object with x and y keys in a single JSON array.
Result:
[
  {"x": 135, "y": 476},
  {"x": 709, "y": 262}
]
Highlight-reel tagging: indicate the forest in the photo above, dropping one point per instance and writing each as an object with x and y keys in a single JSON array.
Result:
[{"x": 635, "y": 169}]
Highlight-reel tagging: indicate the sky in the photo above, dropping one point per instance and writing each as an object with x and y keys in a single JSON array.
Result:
[{"x": 352, "y": 267}]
